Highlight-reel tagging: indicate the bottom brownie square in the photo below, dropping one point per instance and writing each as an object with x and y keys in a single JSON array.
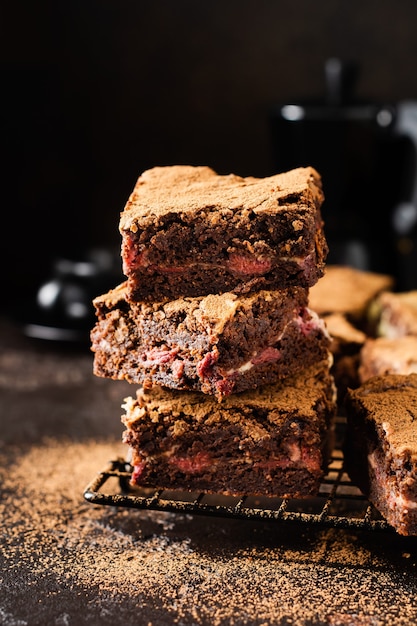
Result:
[
  {"x": 381, "y": 446},
  {"x": 272, "y": 441}
]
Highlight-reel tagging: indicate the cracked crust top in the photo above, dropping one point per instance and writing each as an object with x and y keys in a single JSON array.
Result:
[{"x": 185, "y": 188}]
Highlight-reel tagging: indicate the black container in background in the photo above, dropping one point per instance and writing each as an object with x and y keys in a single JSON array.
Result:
[{"x": 366, "y": 155}]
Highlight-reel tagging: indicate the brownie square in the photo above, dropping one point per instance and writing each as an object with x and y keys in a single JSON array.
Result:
[
  {"x": 188, "y": 231},
  {"x": 381, "y": 446},
  {"x": 272, "y": 441},
  {"x": 348, "y": 291},
  {"x": 216, "y": 344},
  {"x": 388, "y": 356},
  {"x": 396, "y": 314}
]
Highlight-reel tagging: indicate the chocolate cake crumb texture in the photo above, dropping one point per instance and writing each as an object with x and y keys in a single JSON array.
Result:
[
  {"x": 270, "y": 441},
  {"x": 188, "y": 231},
  {"x": 218, "y": 344}
]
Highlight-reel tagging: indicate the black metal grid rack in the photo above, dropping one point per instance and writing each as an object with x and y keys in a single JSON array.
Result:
[{"x": 339, "y": 503}]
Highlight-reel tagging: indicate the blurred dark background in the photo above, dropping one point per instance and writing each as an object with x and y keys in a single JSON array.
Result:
[{"x": 96, "y": 91}]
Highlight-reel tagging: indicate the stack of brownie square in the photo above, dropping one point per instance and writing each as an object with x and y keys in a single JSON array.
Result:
[{"x": 235, "y": 393}]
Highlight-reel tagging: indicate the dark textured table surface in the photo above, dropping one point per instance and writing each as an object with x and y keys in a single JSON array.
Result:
[{"x": 65, "y": 561}]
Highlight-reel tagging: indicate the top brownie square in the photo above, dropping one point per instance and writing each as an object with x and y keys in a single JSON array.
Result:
[{"x": 187, "y": 231}]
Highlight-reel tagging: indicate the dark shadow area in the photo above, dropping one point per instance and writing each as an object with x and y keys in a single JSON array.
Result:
[{"x": 94, "y": 93}]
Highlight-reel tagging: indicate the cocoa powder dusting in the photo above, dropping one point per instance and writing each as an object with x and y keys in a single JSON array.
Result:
[{"x": 70, "y": 562}]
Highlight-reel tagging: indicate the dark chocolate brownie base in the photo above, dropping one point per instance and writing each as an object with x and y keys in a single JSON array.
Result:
[
  {"x": 216, "y": 344},
  {"x": 274, "y": 441},
  {"x": 381, "y": 446},
  {"x": 186, "y": 231}
]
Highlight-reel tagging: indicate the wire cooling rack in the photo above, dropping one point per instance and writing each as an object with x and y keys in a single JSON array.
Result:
[{"x": 339, "y": 503}]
